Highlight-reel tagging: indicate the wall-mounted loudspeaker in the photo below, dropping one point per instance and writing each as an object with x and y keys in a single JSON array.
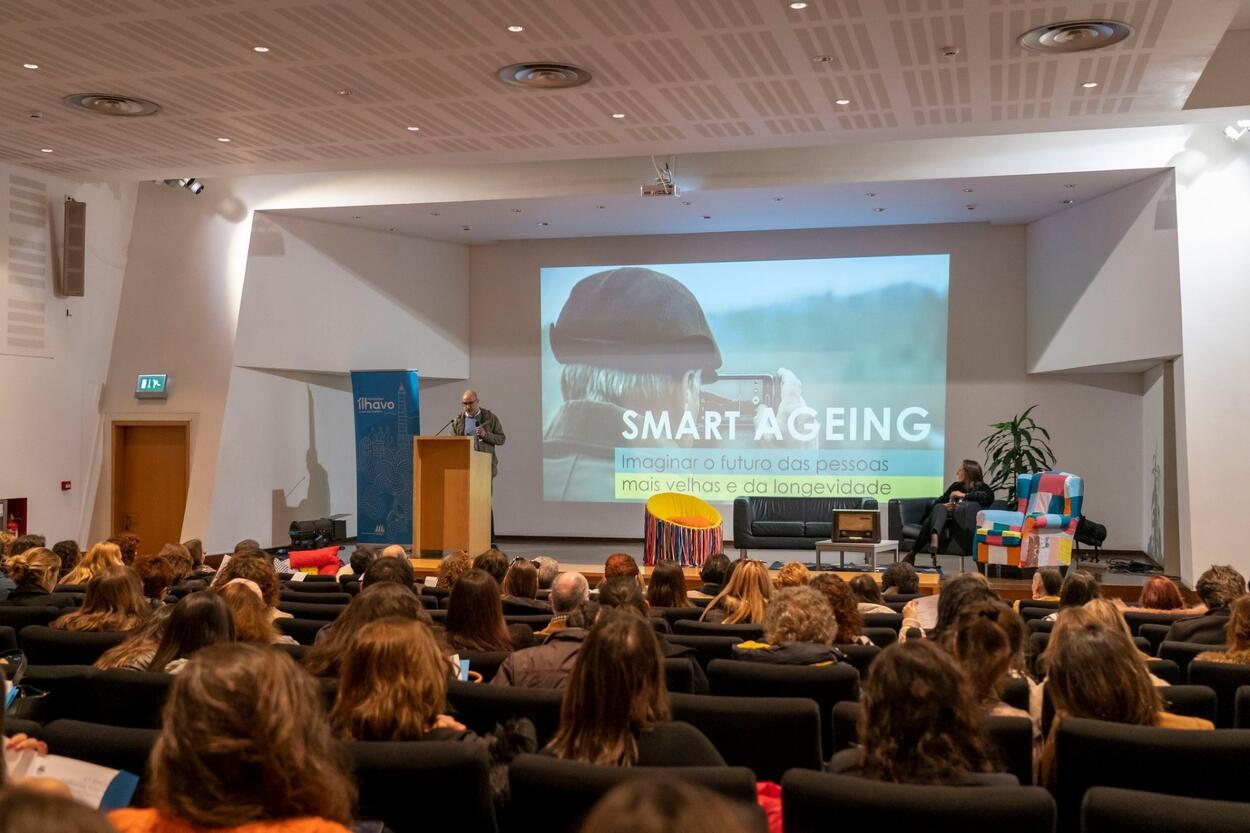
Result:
[{"x": 74, "y": 255}]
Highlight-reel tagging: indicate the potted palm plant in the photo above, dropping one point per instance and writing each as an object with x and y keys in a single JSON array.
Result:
[{"x": 1018, "y": 446}]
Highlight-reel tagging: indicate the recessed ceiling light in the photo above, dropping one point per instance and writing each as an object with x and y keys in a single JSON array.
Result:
[
  {"x": 878, "y": 210},
  {"x": 343, "y": 91},
  {"x": 843, "y": 101},
  {"x": 798, "y": 6},
  {"x": 515, "y": 28},
  {"x": 45, "y": 150},
  {"x": 466, "y": 228},
  {"x": 223, "y": 138},
  {"x": 618, "y": 115},
  {"x": 823, "y": 59},
  {"x": 34, "y": 115},
  {"x": 260, "y": 48},
  {"x": 967, "y": 190},
  {"x": 543, "y": 223},
  {"x": 971, "y": 206},
  {"x": 709, "y": 216},
  {"x": 412, "y": 128},
  {"x": 1089, "y": 85},
  {"x": 31, "y": 66}
]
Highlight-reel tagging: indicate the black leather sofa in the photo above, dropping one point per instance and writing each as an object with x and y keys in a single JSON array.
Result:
[{"x": 788, "y": 523}]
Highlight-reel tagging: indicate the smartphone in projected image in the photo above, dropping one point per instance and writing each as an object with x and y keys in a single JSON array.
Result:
[{"x": 741, "y": 392}]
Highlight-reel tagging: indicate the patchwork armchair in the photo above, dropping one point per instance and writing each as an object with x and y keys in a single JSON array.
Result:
[{"x": 1041, "y": 530}]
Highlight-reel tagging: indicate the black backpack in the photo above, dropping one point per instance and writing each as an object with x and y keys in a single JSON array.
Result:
[{"x": 1089, "y": 533}]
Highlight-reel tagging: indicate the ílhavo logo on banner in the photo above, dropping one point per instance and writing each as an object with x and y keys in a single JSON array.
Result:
[{"x": 388, "y": 415}]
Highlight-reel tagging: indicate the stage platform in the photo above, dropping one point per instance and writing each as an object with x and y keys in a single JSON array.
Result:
[{"x": 587, "y": 557}]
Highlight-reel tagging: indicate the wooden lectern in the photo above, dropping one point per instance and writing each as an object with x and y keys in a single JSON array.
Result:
[{"x": 450, "y": 497}]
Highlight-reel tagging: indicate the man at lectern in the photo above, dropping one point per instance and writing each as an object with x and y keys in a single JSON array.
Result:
[{"x": 479, "y": 423}]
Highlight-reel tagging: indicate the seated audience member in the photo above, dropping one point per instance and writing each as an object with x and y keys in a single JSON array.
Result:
[
  {"x": 1074, "y": 619},
  {"x": 1162, "y": 594},
  {"x": 201, "y": 619},
  {"x": 394, "y": 551},
  {"x": 254, "y": 566},
  {"x": 623, "y": 592},
  {"x": 128, "y": 545},
  {"x": 1095, "y": 673},
  {"x": 247, "y": 545},
  {"x": 475, "y": 617},
  {"x": 31, "y": 809},
  {"x": 667, "y": 587},
  {"x": 569, "y": 595},
  {"x": 195, "y": 549},
  {"x": 494, "y": 562},
  {"x": 393, "y": 570},
  {"x": 520, "y": 585},
  {"x": 845, "y": 609},
  {"x": 35, "y": 573},
  {"x": 744, "y": 598},
  {"x": 548, "y": 568},
  {"x": 69, "y": 554},
  {"x": 1238, "y": 630},
  {"x": 381, "y": 600},
  {"x": 713, "y": 575},
  {"x": 615, "y": 709},
  {"x": 919, "y": 723},
  {"x": 900, "y": 579},
  {"x": 1045, "y": 586},
  {"x": 244, "y": 744},
  {"x": 791, "y": 574},
  {"x": 393, "y": 685},
  {"x": 665, "y": 806},
  {"x": 100, "y": 556},
  {"x": 868, "y": 595},
  {"x": 23, "y": 543},
  {"x": 452, "y": 567},
  {"x": 799, "y": 629},
  {"x": 252, "y": 622},
  {"x": 1216, "y": 588},
  {"x": 1106, "y": 613},
  {"x": 358, "y": 561},
  {"x": 621, "y": 564},
  {"x": 961, "y": 590},
  {"x": 6, "y": 542},
  {"x": 180, "y": 559},
  {"x": 1078, "y": 588},
  {"x": 985, "y": 639},
  {"x": 135, "y": 654},
  {"x": 114, "y": 602},
  {"x": 157, "y": 574}
]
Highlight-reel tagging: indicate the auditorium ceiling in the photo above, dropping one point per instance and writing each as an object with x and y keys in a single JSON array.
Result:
[{"x": 344, "y": 80}]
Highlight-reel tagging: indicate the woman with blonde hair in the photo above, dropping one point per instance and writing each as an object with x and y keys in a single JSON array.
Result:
[
  {"x": 114, "y": 603},
  {"x": 36, "y": 573},
  {"x": 135, "y": 654},
  {"x": 744, "y": 599},
  {"x": 393, "y": 685},
  {"x": 1094, "y": 612},
  {"x": 101, "y": 555}
]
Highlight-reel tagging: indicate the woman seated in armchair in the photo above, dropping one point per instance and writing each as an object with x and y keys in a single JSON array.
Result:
[{"x": 968, "y": 488}]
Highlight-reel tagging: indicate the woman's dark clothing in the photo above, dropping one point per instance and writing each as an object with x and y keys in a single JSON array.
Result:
[
  {"x": 674, "y": 744},
  {"x": 939, "y": 516},
  {"x": 851, "y": 762},
  {"x": 31, "y": 594}
]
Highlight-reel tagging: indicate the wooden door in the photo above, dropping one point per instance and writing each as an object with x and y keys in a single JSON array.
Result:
[{"x": 150, "y": 465}]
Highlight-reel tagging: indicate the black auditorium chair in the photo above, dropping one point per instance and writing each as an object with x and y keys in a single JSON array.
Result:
[
  {"x": 882, "y": 637},
  {"x": 1137, "y": 618},
  {"x": 305, "y": 610},
  {"x": 1189, "y": 700},
  {"x": 659, "y": 625},
  {"x": 428, "y": 602},
  {"x": 1015, "y": 693},
  {"x": 485, "y": 663},
  {"x": 8, "y": 638},
  {"x": 455, "y": 777},
  {"x": 554, "y": 796},
  {"x": 64, "y": 691},
  {"x": 826, "y": 685},
  {"x": 860, "y": 656},
  {"x": 19, "y": 616},
  {"x": 1094, "y": 753},
  {"x": 316, "y": 598},
  {"x": 693, "y": 628},
  {"x": 132, "y": 698},
  {"x": 672, "y": 615},
  {"x": 883, "y": 620},
  {"x": 1112, "y": 810},
  {"x": 1241, "y": 708},
  {"x": 523, "y": 607},
  {"x": 1183, "y": 653},
  {"x": 1029, "y": 613},
  {"x": 46, "y": 646},
  {"x": 116, "y": 747},
  {"x": 1142, "y": 644},
  {"x": 706, "y": 648},
  {"x": 318, "y": 586},
  {"x": 768, "y": 735},
  {"x": 811, "y": 799},
  {"x": 439, "y": 615},
  {"x": 1164, "y": 669},
  {"x": 844, "y": 724},
  {"x": 535, "y": 621},
  {"x": 679, "y": 675},
  {"x": 483, "y": 707},
  {"x": 1041, "y": 625},
  {"x": 1040, "y": 604},
  {"x": 1224, "y": 678},
  {"x": 303, "y": 631},
  {"x": 1154, "y": 635}
]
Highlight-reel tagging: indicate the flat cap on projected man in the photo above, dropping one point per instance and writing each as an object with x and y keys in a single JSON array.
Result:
[{"x": 635, "y": 319}]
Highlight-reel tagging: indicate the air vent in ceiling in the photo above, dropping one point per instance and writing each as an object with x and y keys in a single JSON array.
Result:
[
  {"x": 107, "y": 104},
  {"x": 1075, "y": 35},
  {"x": 543, "y": 75}
]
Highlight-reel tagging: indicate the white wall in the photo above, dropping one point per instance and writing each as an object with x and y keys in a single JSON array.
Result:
[
  {"x": 49, "y": 423},
  {"x": 1103, "y": 280},
  {"x": 1096, "y": 423}
]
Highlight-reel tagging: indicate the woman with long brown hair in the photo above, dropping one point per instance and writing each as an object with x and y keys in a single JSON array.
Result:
[
  {"x": 114, "y": 602},
  {"x": 615, "y": 709},
  {"x": 135, "y": 654},
  {"x": 393, "y": 685},
  {"x": 969, "y": 488},
  {"x": 101, "y": 555},
  {"x": 244, "y": 742},
  {"x": 252, "y": 622},
  {"x": 521, "y": 580},
  {"x": 744, "y": 598},
  {"x": 199, "y": 621},
  {"x": 475, "y": 617},
  {"x": 919, "y": 723},
  {"x": 255, "y": 566},
  {"x": 667, "y": 587},
  {"x": 383, "y": 600},
  {"x": 845, "y": 609}
]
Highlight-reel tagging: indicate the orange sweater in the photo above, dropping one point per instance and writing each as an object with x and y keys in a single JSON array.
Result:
[{"x": 150, "y": 821}]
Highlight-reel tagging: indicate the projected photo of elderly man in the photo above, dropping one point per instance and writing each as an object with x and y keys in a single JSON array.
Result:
[{"x": 631, "y": 342}]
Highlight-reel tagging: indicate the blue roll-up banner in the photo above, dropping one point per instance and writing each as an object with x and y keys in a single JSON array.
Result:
[{"x": 388, "y": 416}]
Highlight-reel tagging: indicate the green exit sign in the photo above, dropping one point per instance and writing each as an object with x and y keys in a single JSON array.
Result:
[{"x": 151, "y": 386}]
